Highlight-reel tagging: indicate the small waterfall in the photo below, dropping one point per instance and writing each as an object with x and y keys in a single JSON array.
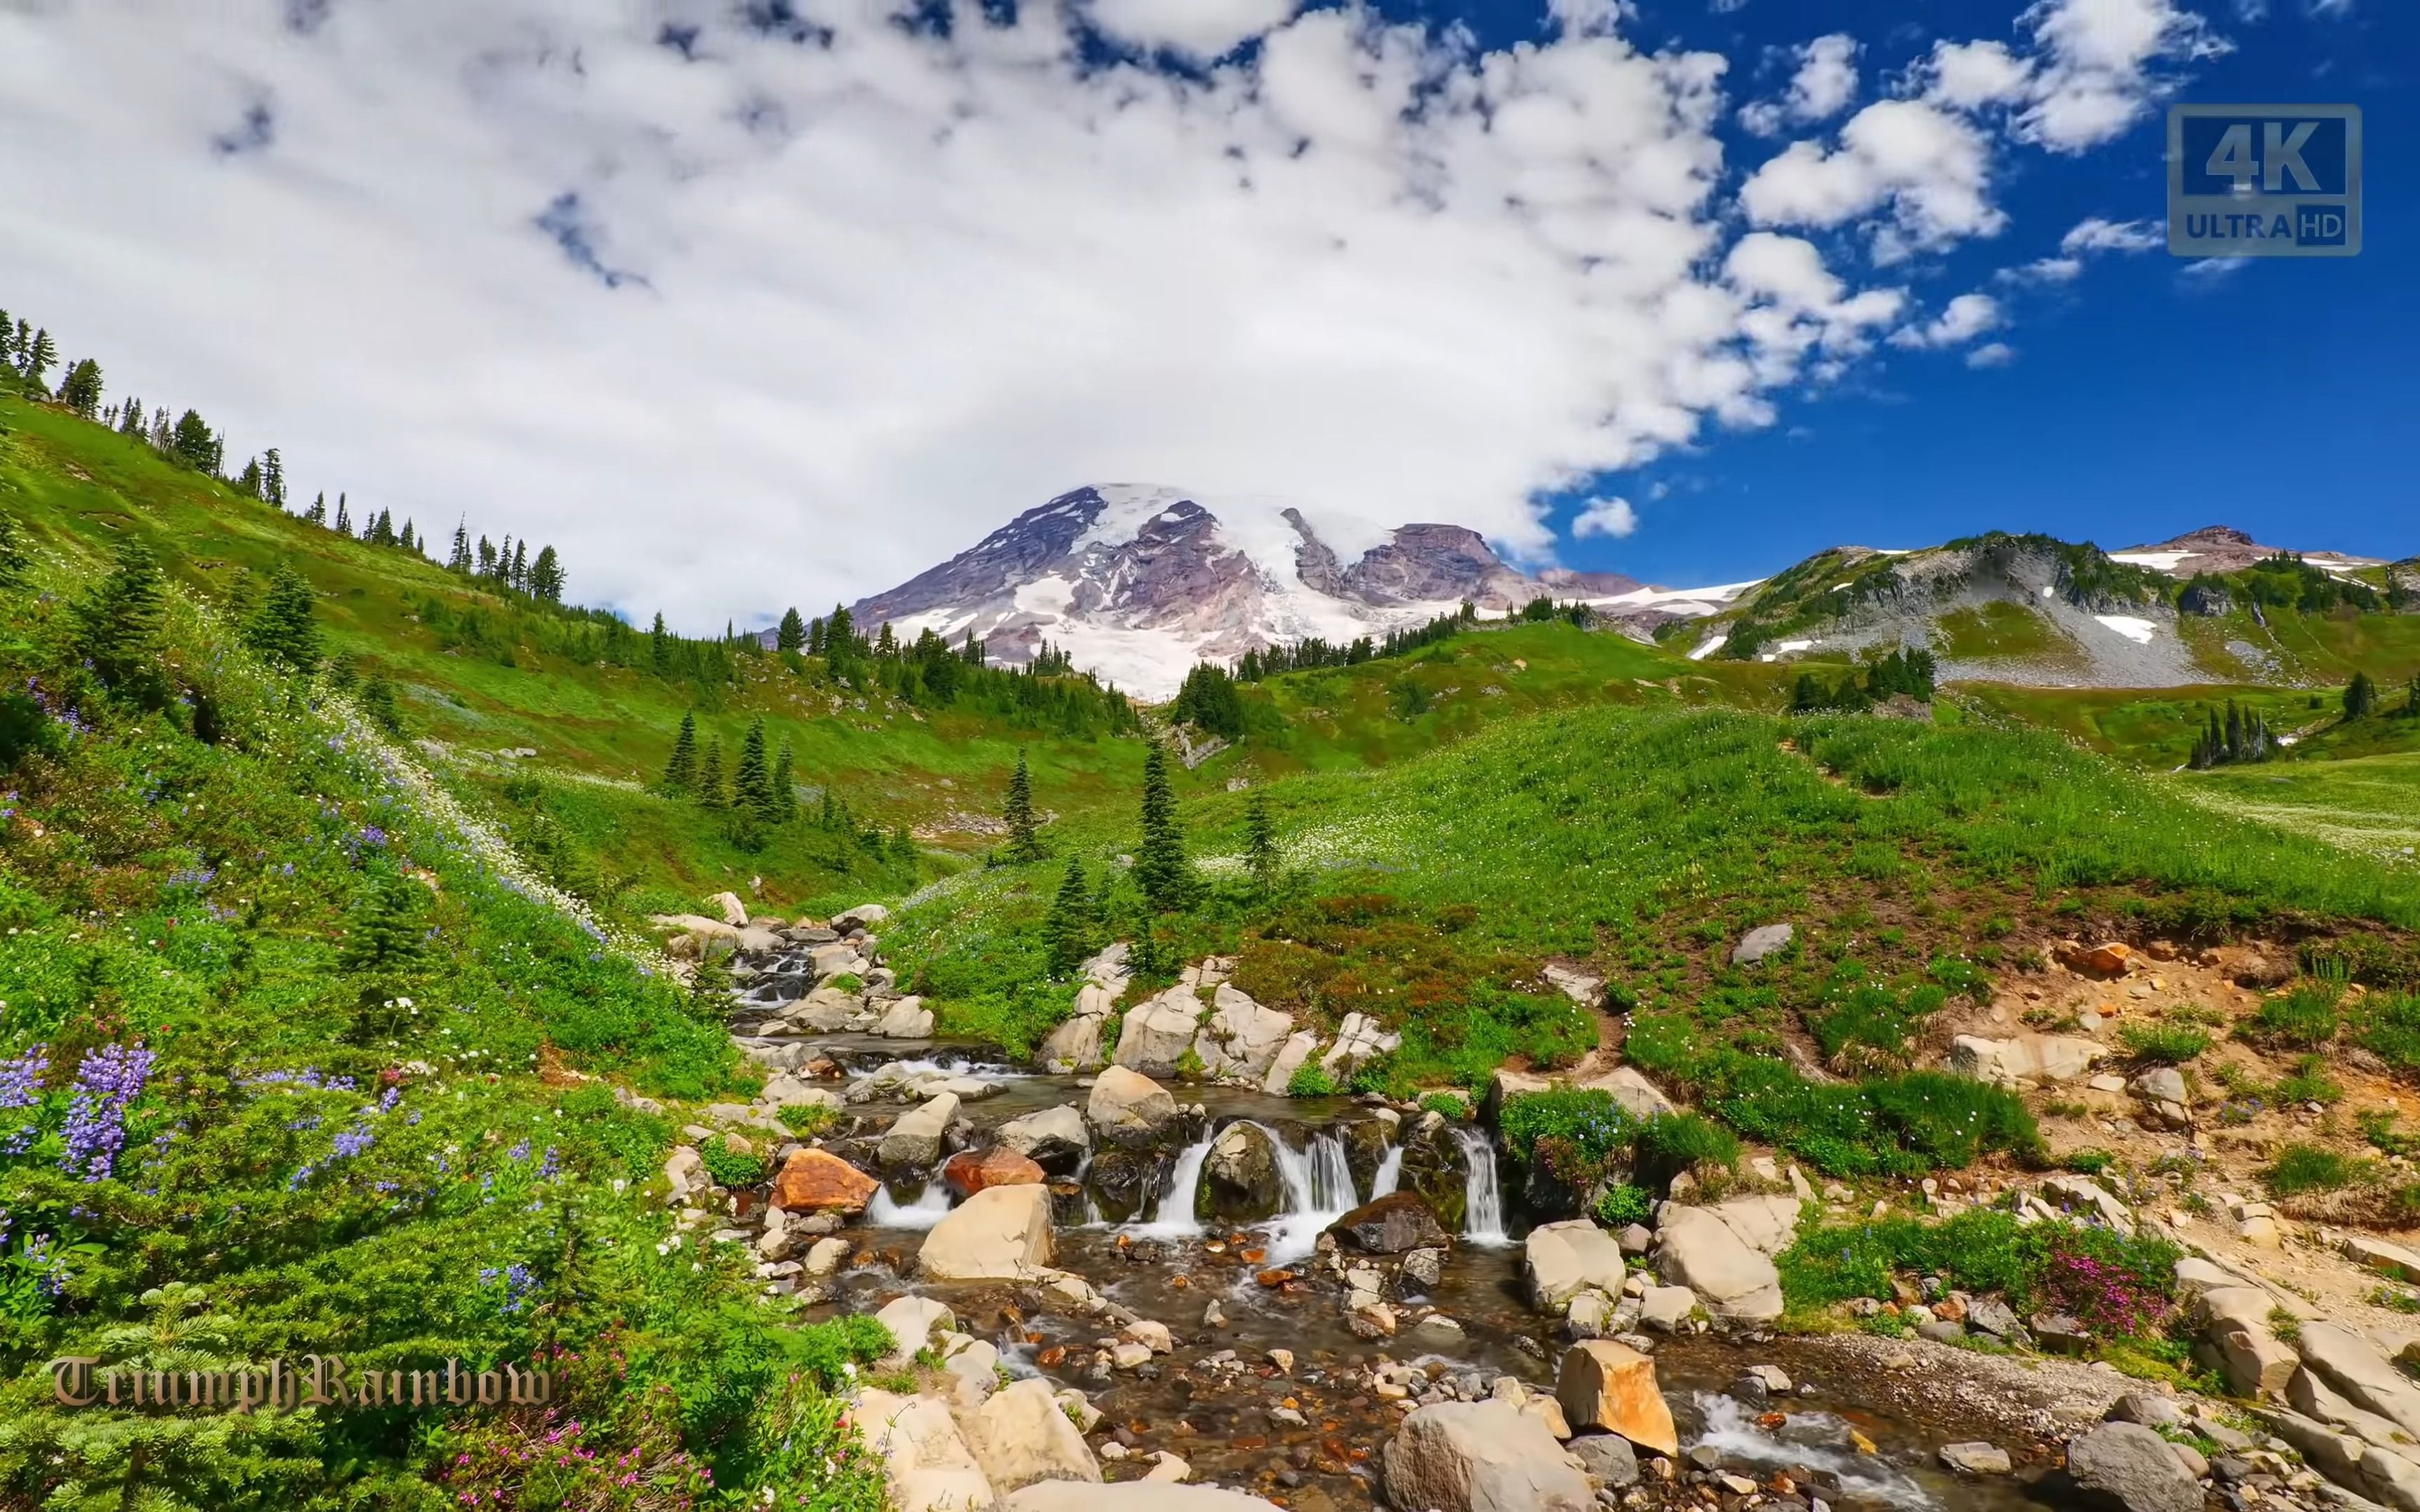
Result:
[
  {"x": 928, "y": 1210},
  {"x": 1482, "y": 1220},
  {"x": 1390, "y": 1173},
  {"x": 1814, "y": 1440},
  {"x": 1175, "y": 1219},
  {"x": 1319, "y": 1191}
]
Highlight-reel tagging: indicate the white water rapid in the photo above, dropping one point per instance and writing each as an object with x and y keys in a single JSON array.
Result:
[{"x": 1482, "y": 1220}]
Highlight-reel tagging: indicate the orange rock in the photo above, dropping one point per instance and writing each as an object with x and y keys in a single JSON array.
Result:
[
  {"x": 1612, "y": 1386},
  {"x": 1274, "y": 1278},
  {"x": 817, "y": 1180},
  {"x": 2110, "y": 959},
  {"x": 969, "y": 1173},
  {"x": 1950, "y": 1311}
]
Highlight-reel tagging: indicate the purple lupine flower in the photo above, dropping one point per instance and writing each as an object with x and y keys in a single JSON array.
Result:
[
  {"x": 111, "y": 1077},
  {"x": 519, "y": 1152},
  {"x": 353, "y": 1142},
  {"x": 519, "y": 1280},
  {"x": 388, "y": 1099},
  {"x": 21, "y": 1080},
  {"x": 549, "y": 1168}
]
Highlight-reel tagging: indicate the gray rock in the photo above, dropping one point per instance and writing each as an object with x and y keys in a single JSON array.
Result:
[
  {"x": 1159, "y": 1032},
  {"x": 1130, "y": 1110},
  {"x": 1989, "y": 1314},
  {"x": 2134, "y": 1467},
  {"x": 1054, "y": 1138},
  {"x": 907, "y": 1019},
  {"x": 1481, "y": 1457},
  {"x": 1607, "y": 1460},
  {"x": 914, "y": 1143},
  {"x": 1240, "y": 1182},
  {"x": 1976, "y": 1458},
  {"x": 1757, "y": 944},
  {"x": 2164, "y": 1085},
  {"x": 2144, "y": 1408},
  {"x": 1424, "y": 1267},
  {"x": 1241, "y": 1038}
]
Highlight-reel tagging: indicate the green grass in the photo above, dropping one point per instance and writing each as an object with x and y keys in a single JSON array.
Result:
[
  {"x": 2162, "y": 1044},
  {"x": 2303, "y": 1167},
  {"x": 2001, "y": 630},
  {"x": 2371, "y": 804}
]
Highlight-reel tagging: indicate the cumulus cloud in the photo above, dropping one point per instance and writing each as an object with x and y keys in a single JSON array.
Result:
[
  {"x": 1826, "y": 83},
  {"x": 1971, "y": 76},
  {"x": 2104, "y": 66},
  {"x": 2089, "y": 238},
  {"x": 1612, "y": 517},
  {"x": 1992, "y": 354},
  {"x": 1929, "y": 167},
  {"x": 1961, "y": 321},
  {"x": 1201, "y": 29}
]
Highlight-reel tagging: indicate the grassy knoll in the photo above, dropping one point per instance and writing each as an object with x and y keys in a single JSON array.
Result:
[
  {"x": 286, "y": 1067},
  {"x": 2367, "y": 803}
]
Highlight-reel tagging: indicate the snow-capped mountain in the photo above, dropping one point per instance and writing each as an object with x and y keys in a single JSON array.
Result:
[
  {"x": 2224, "y": 548},
  {"x": 1138, "y": 582}
]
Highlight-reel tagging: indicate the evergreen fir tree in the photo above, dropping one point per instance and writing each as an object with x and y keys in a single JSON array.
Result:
[
  {"x": 129, "y": 418},
  {"x": 248, "y": 483},
  {"x": 2412, "y": 697},
  {"x": 377, "y": 703},
  {"x": 273, "y": 477},
  {"x": 680, "y": 772},
  {"x": 119, "y": 625},
  {"x": 1160, "y": 867},
  {"x": 317, "y": 513},
  {"x": 2360, "y": 697},
  {"x": 521, "y": 565},
  {"x": 385, "y": 938},
  {"x": 487, "y": 557},
  {"x": 792, "y": 636},
  {"x": 546, "y": 576},
  {"x": 786, "y": 789},
  {"x": 409, "y": 538},
  {"x": 344, "y": 518},
  {"x": 752, "y": 780},
  {"x": 814, "y": 638},
  {"x": 382, "y": 531},
  {"x": 40, "y": 356},
  {"x": 281, "y": 629},
  {"x": 13, "y": 561},
  {"x": 1260, "y": 841},
  {"x": 709, "y": 776},
  {"x": 164, "y": 433},
  {"x": 1068, "y": 929},
  {"x": 458, "y": 560},
  {"x": 659, "y": 646},
  {"x": 193, "y": 444},
  {"x": 80, "y": 390},
  {"x": 1024, "y": 845}
]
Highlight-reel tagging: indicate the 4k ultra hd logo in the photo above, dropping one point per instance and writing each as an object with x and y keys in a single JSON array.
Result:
[{"x": 2264, "y": 180}]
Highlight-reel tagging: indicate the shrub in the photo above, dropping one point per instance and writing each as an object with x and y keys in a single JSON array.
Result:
[
  {"x": 2116, "y": 1284},
  {"x": 1677, "y": 1142},
  {"x": 729, "y": 1166},
  {"x": 2388, "y": 1026},
  {"x": 1589, "y": 1122},
  {"x": 2164, "y": 1044},
  {"x": 1450, "y": 1104},
  {"x": 1308, "y": 1080},
  {"x": 2302, "y": 1166},
  {"x": 2303, "y": 1019},
  {"x": 1623, "y": 1204},
  {"x": 807, "y": 1119},
  {"x": 2090, "y": 1162}
]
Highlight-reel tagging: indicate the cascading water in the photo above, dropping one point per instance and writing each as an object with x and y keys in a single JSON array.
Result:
[
  {"x": 1175, "y": 1219},
  {"x": 1319, "y": 1191},
  {"x": 928, "y": 1209},
  {"x": 1816, "y": 1441},
  {"x": 1482, "y": 1220},
  {"x": 1390, "y": 1173}
]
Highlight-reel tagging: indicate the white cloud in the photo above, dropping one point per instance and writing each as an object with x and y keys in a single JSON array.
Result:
[
  {"x": 2332, "y": 9},
  {"x": 1605, "y": 516},
  {"x": 1928, "y": 166},
  {"x": 1971, "y": 76},
  {"x": 1197, "y": 28},
  {"x": 2103, "y": 66},
  {"x": 2095, "y": 233},
  {"x": 1825, "y": 85},
  {"x": 1992, "y": 354},
  {"x": 2205, "y": 274},
  {"x": 2046, "y": 270},
  {"x": 1961, "y": 320}
]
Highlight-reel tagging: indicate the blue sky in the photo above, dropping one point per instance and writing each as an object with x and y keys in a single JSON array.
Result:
[
  {"x": 2140, "y": 402},
  {"x": 746, "y": 303}
]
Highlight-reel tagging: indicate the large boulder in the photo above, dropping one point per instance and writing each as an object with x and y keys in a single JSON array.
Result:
[
  {"x": 1054, "y": 1138},
  {"x": 825, "y": 1011},
  {"x": 1022, "y": 1436},
  {"x": 1076, "y": 1045},
  {"x": 1292, "y": 1057},
  {"x": 1630, "y": 1088},
  {"x": 1132, "y": 1496},
  {"x": 1481, "y": 1457},
  {"x": 928, "y": 1463},
  {"x": 2134, "y": 1467},
  {"x": 1240, "y": 1182},
  {"x": 1436, "y": 1168},
  {"x": 865, "y": 915},
  {"x": 1393, "y": 1224},
  {"x": 907, "y": 1019},
  {"x": 1159, "y": 1032},
  {"x": 1732, "y": 1275},
  {"x": 1611, "y": 1386},
  {"x": 1130, "y": 1110},
  {"x": 912, "y": 1321},
  {"x": 2235, "y": 1321},
  {"x": 817, "y": 1180},
  {"x": 1125, "y": 1183},
  {"x": 2360, "y": 1374},
  {"x": 1240, "y": 1038},
  {"x": 1002, "y": 1234},
  {"x": 914, "y": 1143},
  {"x": 2029, "y": 1057},
  {"x": 971, "y": 1171},
  {"x": 1608, "y": 1458},
  {"x": 1560, "y": 1260},
  {"x": 1359, "y": 1040}
]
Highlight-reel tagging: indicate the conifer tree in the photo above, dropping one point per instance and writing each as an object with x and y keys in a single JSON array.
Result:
[
  {"x": 786, "y": 789},
  {"x": 377, "y": 701},
  {"x": 458, "y": 560},
  {"x": 248, "y": 483},
  {"x": 659, "y": 646},
  {"x": 12, "y": 543},
  {"x": 119, "y": 625},
  {"x": 792, "y": 636},
  {"x": 129, "y": 418},
  {"x": 344, "y": 518},
  {"x": 193, "y": 444},
  {"x": 2412, "y": 697},
  {"x": 546, "y": 576},
  {"x": 2360, "y": 697},
  {"x": 751, "y": 780},
  {"x": 709, "y": 776},
  {"x": 281, "y": 629},
  {"x": 386, "y": 939},
  {"x": 814, "y": 638},
  {"x": 80, "y": 390},
  {"x": 1160, "y": 867},
  {"x": 40, "y": 356},
  {"x": 273, "y": 477},
  {"x": 521, "y": 565},
  {"x": 1068, "y": 929},
  {"x": 1260, "y": 841},
  {"x": 680, "y": 772},
  {"x": 1024, "y": 845},
  {"x": 381, "y": 531}
]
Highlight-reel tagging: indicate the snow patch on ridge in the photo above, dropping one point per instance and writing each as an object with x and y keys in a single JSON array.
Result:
[{"x": 2137, "y": 631}]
